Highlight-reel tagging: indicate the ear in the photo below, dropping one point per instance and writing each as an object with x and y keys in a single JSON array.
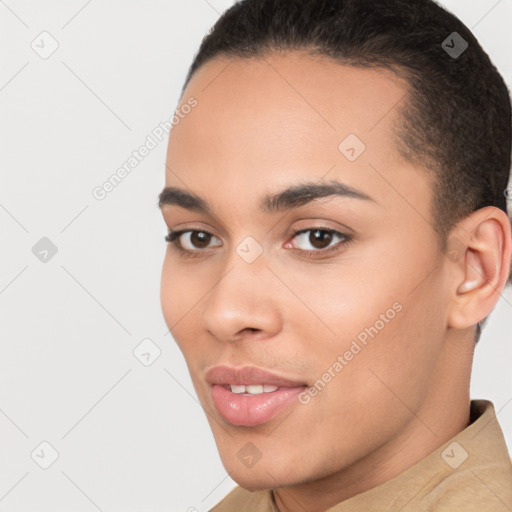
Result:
[{"x": 479, "y": 251}]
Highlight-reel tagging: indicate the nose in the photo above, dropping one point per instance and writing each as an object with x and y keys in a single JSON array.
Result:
[{"x": 243, "y": 303}]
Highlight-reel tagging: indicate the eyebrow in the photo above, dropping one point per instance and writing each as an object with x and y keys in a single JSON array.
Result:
[{"x": 292, "y": 197}]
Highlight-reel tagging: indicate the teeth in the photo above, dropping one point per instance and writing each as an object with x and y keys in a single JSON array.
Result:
[{"x": 254, "y": 389}]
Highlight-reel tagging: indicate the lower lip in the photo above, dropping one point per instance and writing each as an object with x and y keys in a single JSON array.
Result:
[{"x": 251, "y": 410}]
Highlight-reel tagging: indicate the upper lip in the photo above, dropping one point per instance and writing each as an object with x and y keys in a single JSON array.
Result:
[{"x": 247, "y": 376}]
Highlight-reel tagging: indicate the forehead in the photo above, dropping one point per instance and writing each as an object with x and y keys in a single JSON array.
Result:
[{"x": 259, "y": 123}]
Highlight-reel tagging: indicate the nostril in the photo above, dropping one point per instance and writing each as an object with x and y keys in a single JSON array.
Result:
[{"x": 251, "y": 329}]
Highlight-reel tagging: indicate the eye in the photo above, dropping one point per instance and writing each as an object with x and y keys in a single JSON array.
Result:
[
  {"x": 319, "y": 240},
  {"x": 191, "y": 240}
]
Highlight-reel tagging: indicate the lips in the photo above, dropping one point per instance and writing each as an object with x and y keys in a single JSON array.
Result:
[{"x": 251, "y": 396}]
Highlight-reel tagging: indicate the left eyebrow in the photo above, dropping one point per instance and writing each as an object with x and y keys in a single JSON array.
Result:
[
  {"x": 299, "y": 195},
  {"x": 292, "y": 197}
]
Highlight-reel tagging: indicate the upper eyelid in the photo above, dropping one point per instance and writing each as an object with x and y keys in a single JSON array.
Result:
[
  {"x": 335, "y": 232},
  {"x": 317, "y": 228},
  {"x": 294, "y": 233}
]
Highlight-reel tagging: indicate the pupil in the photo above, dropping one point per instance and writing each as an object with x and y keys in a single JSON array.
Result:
[
  {"x": 200, "y": 239},
  {"x": 320, "y": 239}
]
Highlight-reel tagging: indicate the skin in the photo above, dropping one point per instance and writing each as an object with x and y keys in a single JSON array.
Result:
[{"x": 264, "y": 125}]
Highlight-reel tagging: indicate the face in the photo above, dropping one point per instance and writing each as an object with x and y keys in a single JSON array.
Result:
[{"x": 300, "y": 278}]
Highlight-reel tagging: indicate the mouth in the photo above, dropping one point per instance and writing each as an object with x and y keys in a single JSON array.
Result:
[{"x": 251, "y": 396}]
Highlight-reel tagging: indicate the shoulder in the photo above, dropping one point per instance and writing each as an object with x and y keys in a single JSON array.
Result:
[
  {"x": 482, "y": 477},
  {"x": 477, "y": 489}
]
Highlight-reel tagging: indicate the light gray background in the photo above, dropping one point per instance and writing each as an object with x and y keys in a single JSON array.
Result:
[{"x": 129, "y": 437}]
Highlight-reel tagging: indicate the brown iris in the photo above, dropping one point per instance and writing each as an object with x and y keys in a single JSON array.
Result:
[
  {"x": 200, "y": 239},
  {"x": 320, "y": 238}
]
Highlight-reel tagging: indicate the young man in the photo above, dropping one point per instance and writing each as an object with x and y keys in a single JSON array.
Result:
[{"x": 335, "y": 198}]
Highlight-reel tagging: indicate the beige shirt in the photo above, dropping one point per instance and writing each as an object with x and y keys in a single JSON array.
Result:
[{"x": 471, "y": 472}]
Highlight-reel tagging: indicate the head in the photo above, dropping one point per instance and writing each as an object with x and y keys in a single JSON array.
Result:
[{"x": 339, "y": 199}]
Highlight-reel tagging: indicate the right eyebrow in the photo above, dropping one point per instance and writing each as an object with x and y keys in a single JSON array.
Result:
[{"x": 183, "y": 198}]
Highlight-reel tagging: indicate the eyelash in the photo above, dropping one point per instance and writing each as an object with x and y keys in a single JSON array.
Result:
[{"x": 173, "y": 238}]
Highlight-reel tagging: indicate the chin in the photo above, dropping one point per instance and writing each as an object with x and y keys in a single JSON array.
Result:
[
  {"x": 253, "y": 483},
  {"x": 262, "y": 476}
]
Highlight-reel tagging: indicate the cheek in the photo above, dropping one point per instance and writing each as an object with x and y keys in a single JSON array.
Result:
[
  {"x": 335, "y": 303},
  {"x": 376, "y": 307},
  {"x": 170, "y": 291},
  {"x": 181, "y": 290},
  {"x": 390, "y": 346},
  {"x": 180, "y": 299}
]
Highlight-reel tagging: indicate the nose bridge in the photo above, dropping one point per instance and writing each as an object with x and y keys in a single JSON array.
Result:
[
  {"x": 244, "y": 268},
  {"x": 241, "y": 298}
]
